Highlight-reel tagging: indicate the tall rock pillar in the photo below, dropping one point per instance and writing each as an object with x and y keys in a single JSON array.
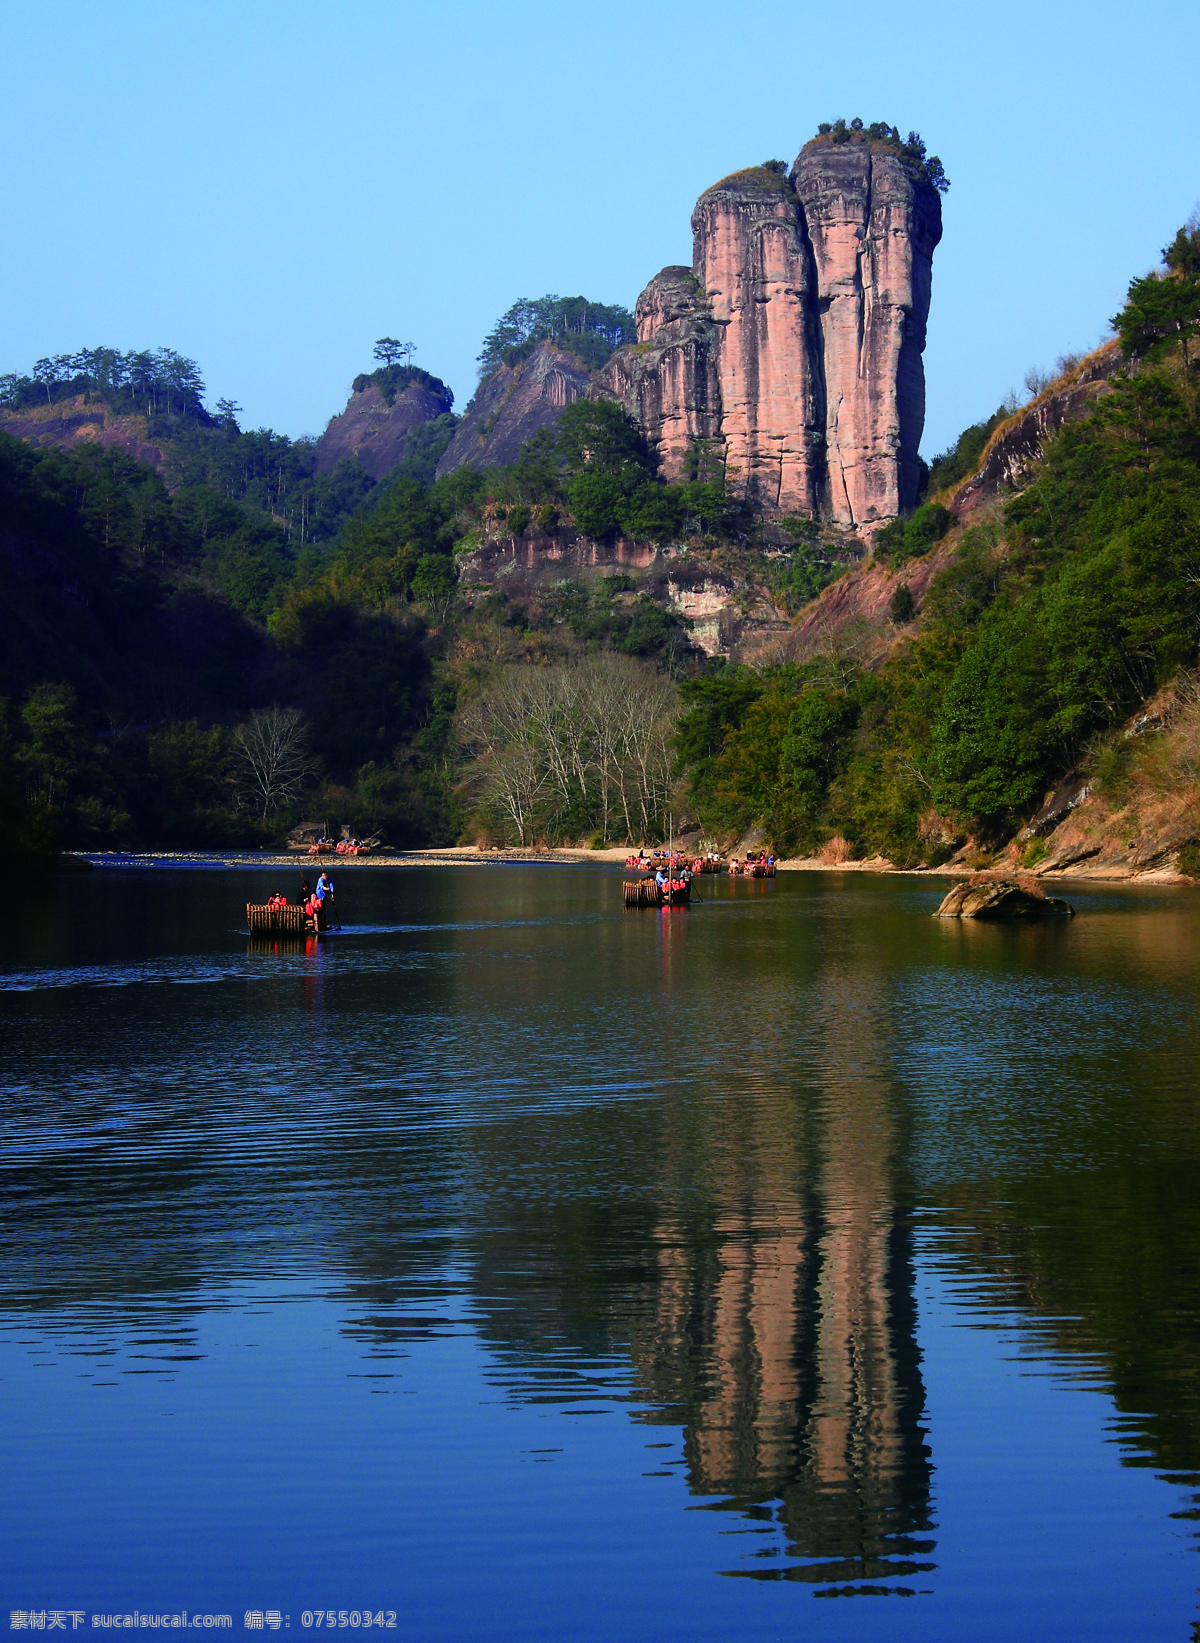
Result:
[
  {"x": 751, "y": 258},
  {"x": 794, "y": 343},
  {"x": 667, "y": 381},
  {"x": 872, "y": 223}
]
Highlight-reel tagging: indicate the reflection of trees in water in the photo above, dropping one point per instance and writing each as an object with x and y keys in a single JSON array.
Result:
[{"x": 1103, "y": 1269}]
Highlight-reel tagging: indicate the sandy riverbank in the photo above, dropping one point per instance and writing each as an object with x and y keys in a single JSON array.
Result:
[
  {"x": 465, "y": 855},
  {"x": 469, "y": 855}
]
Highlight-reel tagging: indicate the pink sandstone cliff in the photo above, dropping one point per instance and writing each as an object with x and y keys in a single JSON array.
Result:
[
  {"x": 667, "y": 380},
  {"x": 796, "y": 347},
  {"x": 873, "y": 227}
]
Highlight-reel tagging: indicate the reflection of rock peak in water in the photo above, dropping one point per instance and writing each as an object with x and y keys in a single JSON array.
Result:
[
  {"x": 788, "y": 1337},
  {"x": 784, "y": 1325}
]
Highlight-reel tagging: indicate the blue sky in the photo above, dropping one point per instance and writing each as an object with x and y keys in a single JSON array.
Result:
[{"x": 269, "y": 187}]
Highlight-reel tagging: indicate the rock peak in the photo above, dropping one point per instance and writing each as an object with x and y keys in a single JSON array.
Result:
[
  {"x": 796, "y": 347},
  {"x": 383, "y": 410}
]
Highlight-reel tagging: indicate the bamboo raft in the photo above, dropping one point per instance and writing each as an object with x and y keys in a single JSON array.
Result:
[
  {"x": 284, "y": 921},
  {"x": 646, "y": 893}
]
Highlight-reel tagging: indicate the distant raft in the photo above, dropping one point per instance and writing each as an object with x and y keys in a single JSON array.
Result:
[{"x": 761, "y": 866}]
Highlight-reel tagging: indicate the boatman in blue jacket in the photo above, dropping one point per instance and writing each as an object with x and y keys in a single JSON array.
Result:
[{"x": 324, "y": 888}]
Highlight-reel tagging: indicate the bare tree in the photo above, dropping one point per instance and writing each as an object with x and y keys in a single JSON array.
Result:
[
  {"x": 649, "y": 707},
  {"x": 276, "y": 763},
  {"x": 507, "y": 776},
  {"x": 578, "y": 741}
]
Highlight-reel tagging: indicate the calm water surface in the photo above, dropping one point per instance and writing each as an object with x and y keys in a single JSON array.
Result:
[{"x": 795, "y": 1265}]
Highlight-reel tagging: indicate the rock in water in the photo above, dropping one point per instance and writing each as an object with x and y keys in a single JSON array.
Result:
[
  {"x": 794, "y": 342},
  {"x": 1001, "y": 899}
]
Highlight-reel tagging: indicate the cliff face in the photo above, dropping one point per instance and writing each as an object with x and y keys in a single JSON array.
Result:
[
  {"x": 376, "y": 432},
  {"x": 798, "y": 347},
  {"x": 666, "y": 380},
  {"x": 873, "y": 227},
  {"x": 753, "y": 261},
  {"x": 512, "y": 405}
]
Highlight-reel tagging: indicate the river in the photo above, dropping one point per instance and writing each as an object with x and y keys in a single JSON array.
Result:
[{"x": 508, "y": 1265}]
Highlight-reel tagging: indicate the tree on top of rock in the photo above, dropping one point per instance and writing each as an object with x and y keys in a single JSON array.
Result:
[
  {"x": 392, "y": 352},
  {"x": 911, "y": 149},
  {"x": 592, "y": 330},
  {"x": 1182, "y": 256}
]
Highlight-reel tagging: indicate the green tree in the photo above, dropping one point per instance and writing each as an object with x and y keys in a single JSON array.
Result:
[
  {"x": 597, "y": 498},
  {"x": 811, "y": 752},
  {"x": 596, "y": 434},
  {"x": 1160, "y": 313},
  {"x": 654, "y": 513},
  {"x": 392, "y": 352},
  {"x": 927, "y": 526},
  {"x": 591, "y": 330},
  {"x": 433, "y": 584}
]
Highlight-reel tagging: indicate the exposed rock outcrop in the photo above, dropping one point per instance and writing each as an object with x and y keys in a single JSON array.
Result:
[
  {"x": 873, "y": 226},
  {"x": 1133, "y": 828},
  {"x": 69, "y": 424},
  {"x": 667, "y": 381},
  {"x": 796, "y": 344},
  {"x": 1018, "y": 445},
  {"x": 1067, "y": 796},
  {"x": 512, "y": 405},
  {"x": 727, "y": 614},
  {"x": 375, "y": 430}
]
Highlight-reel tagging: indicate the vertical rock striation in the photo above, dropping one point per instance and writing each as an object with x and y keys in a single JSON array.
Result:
[
  {"x": 794, "y": 342},
  {"x": 753, "y": 262},
  {"x": 667, "y": 379}
]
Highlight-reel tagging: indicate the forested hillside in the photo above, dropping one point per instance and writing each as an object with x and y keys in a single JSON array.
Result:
[
  {"x": 156, "y": 636},
  {"x": 203, "y": 656}
]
